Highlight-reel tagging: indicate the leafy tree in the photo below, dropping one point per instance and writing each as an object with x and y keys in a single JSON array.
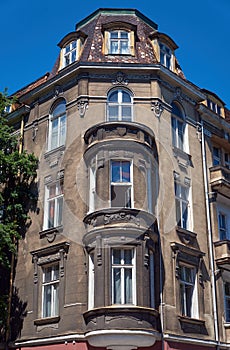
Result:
[{"x": 17, "y": 196}]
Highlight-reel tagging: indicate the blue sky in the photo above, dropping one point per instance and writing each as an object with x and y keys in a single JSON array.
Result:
[{"x": 30, "y": 31}]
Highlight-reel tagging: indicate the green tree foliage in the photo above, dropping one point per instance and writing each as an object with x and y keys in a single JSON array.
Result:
[{"x": 18, "y": 196}]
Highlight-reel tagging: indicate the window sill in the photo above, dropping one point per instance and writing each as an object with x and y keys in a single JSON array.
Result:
[
  {"x": 184, "y": 159},
  {"x": 51, "y": 233},
  {"x": 192, "y": 325},
  {"x": 227, "y": 325},
  {"x": 47, "y": 320},
  {"x": 186, "y": 236},
  {"x": 53, "y": 151}
]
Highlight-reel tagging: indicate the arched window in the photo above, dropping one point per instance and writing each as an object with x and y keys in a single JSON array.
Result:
[
  {"x": 119, "y": 106},
  {"x": 178, "y": 126},
  {"x": 57, "y": 125}
]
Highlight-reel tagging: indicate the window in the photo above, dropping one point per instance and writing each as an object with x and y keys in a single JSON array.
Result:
[
  {"x": 214, "y": 106},
  {"x": 91, "y": 288},
  {"x": 182, "y": 205},
  {"x": 119, "y": 42},
  {"x": 121, "y": 184},
  {"x": 54, "y": 205},
  {"x": 165, "y": 56},
  {"x": 123, "y": 276},
  {"x": 119, "y": 106},
  {"x": 188, "y": 291},
  {"x": 57, "y": 129},
  {"x": 178, "y": 127},
  {"x": 70, "y": 53},
  {"x": 222, "y": 224},
  {"x": 50, "y": 287},
  {"x": 227, "y": 301},
  {"x": 216, "y": 156}
]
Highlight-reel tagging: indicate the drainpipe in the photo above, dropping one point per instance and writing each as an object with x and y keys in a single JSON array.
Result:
[
  {"x": 11, "y": 282},
  {"x": 209, "y": 226}
]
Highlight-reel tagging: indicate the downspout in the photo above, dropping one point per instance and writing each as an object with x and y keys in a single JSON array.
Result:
[
  {"x": 11, "y": 282},
  {"x": 209, "y": 226}
]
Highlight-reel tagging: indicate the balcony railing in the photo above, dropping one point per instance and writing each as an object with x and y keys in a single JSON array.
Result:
[{"x": 220, "y": 180}]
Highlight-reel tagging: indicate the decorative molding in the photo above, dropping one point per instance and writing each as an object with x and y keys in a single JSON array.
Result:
[
  {"x": 108, "y": 218},
  {"x": 157, "y": 108},
  {"x": 120, "y": 79},
  {"x": 82, "y": 105}
]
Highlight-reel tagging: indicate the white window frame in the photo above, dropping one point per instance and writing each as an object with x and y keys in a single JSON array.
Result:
[
  {"x": 120, "y": 105},
  {"x": 227, "y": 301},
  {"x": 60, "y": 129},
  {"x": 70, "y": 53},
  {"x": 119, "y": 40},
  {"x": 165, "y": 56},
  {"x": 92, "y": 188},
  {"x": 188, "y": 303},
  {"x": 122, "y": 183},
  {"x": 182, "y": 202},
  {"x": 54, "y": 290},
  {"x": 58, "y": 201},
  {"x": 122, "y": 266}
]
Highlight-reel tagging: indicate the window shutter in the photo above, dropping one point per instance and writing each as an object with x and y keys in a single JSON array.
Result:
[
  {"x": 106, "y": 43},
  {"x": 132, "y": 44}
]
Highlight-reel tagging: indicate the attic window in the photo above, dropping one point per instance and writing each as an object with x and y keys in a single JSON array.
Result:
[
  {"x": 119, "y": 42},
  {"x": 71, "y": 52},
  {"x": 214, "y": 106},
  {"x": 165, "y": 56}
]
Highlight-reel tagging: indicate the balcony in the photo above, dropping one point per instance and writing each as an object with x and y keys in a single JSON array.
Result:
[
  {"x": 119, "y": 130},
  {"x": 222, "y": 253},
  {"x": 220, "y": 180}
]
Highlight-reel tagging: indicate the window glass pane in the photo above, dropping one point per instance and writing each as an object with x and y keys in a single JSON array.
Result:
[
  {"x": 114, "y": 35},
  {"x": 126, "y": 113},
  {"x": 47, "y": 274},
  {"x": 47, "y": 301},
  {"x": 51, "y": 211},
  {"x": 184, "y": 215},
  {"x": 73, "y": 56},
  {"x": 55, "y": 272},
  {"x": 128, "y": 286},
  {"x": 114, "y": 47},
  {"x": 74, "y": 44},
  {"x": 113, "y": 113},
  {"x": 67, "y": 48},
  {"x": 55, "y": 299},
  {"x": 124, "y": 47},
  {"x": 117, "y": 285},
  {"x": 59, "y": 211},
  {"x": 54, "y": 133},
  {"x": 124, "y": 35},
  {"x": 188, "y": 293},
  {"x": 59, "y": 109},
  {"x": 115, "y": 171},
  {"x": 52, "y": 191},
  {"x": 125, "y": 167},
  {"x": 116, "y": 256},
  {"x": 178, "y": 213},
  {"x": 128, "y": 255},
  {"x": 62, "y": 130},
  {"x": 113, "y": 97},
  {"x": 227, "y": 289},
  {"x": 176, "y": 110},
  {"x": 126, "y": 97}
]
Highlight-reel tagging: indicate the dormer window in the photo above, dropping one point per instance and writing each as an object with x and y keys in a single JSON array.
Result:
[
  {"x": 70, "y": 53},
  {"x": 119, "y": 42},
  {"x": 119, "y": 39},
  {"x": 214, "y": 106},
  {"x": 165, "y": 56}
]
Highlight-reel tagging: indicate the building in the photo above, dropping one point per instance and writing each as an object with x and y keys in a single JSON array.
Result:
[{"x": 129, "y": 245}]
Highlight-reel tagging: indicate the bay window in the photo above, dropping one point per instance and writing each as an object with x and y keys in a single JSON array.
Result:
[
  {"x": 121, "y": 183},
  {"x": 123, "y": 276}
]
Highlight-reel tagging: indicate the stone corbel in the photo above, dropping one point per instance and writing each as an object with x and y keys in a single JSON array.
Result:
[{"x": 82, "y": 105}]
